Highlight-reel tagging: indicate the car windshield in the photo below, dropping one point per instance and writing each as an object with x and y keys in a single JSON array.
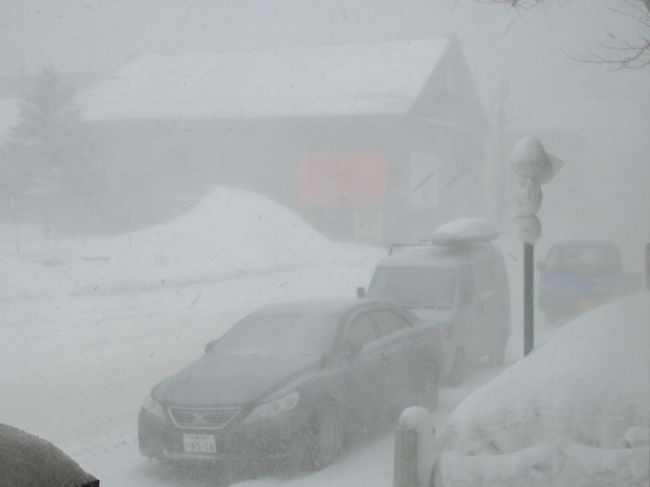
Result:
[
  {"x": 286, "y": 334},
  {"x": 580, "y": 260},
  {"x": 413, "y": 286}
]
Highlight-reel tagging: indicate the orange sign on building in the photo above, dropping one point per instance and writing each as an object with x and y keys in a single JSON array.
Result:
[{"x": 352, "y": 180}]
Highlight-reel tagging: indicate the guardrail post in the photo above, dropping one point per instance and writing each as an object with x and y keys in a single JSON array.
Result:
[{"x": 413, "y": 453}]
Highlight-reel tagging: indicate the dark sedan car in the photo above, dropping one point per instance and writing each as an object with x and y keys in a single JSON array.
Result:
[{"x": 294, "y": 382}]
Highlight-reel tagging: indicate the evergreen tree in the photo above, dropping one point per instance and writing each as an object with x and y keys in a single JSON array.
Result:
[{"x": 43, "y": 157}]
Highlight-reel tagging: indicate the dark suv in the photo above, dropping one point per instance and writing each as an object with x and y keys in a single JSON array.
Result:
[{"x": 578, "y": 275}]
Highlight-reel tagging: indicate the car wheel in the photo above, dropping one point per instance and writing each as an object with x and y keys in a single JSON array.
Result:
[
  {"x": 326, "y": 438},
  {"x": 458, "y": 368}
]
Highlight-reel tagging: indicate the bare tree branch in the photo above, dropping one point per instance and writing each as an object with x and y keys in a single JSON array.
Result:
[{"x": 628, "y": 55}]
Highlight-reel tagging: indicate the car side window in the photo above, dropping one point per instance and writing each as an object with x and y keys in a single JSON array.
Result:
[
  {"x": 484, "y": 279},
  {"x": 359, "y": 333},
  {"x": 466, "y": 285},
  {"x": 388, "y": 322}
]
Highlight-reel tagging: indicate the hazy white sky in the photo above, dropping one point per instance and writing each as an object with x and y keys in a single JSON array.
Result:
[{"x": 527, "y": 47}]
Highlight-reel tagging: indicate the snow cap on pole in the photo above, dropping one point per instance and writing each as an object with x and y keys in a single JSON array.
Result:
[
  {"x": 531, "y": 161},
  {"x": 530, "y": 198}
]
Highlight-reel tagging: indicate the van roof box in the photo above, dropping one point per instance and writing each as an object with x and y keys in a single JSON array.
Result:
[{"x": 466, "y": 231}]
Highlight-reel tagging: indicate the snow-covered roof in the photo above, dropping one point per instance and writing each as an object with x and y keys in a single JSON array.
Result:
[{"x": 352, "y": 79}]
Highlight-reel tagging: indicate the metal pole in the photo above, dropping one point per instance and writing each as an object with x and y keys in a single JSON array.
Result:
[
  {"x": 529, "y": 275},
  {"x": 647, "y": 265}
]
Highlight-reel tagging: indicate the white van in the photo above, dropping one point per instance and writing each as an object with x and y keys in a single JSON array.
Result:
[{"x": 458, "y": 279}]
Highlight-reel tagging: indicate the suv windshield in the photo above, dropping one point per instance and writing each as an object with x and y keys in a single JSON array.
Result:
[{"x": 429, "y": 286}]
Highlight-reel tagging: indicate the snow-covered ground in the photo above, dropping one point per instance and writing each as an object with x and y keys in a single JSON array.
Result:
[
  {"x": 228, "y": 234},
  {"x": 91, "y": 325},
  {"x": 575, "y": 412}
]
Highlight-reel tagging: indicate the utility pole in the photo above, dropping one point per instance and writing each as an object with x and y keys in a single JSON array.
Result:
[{"x": 533, "y": 167}]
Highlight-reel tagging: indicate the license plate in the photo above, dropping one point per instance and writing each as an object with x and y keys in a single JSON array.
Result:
[{"x": 199, "y": 443}]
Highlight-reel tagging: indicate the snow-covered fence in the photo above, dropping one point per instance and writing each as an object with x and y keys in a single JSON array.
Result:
[{"x": 415, "y": 450}]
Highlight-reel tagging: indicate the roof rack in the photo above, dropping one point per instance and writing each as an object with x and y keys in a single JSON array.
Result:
[
  {"x": 401, "y": 246},
  {"x": 466, "y": 231}
]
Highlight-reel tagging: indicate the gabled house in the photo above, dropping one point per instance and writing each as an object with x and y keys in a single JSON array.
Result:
[{"x": 374, "y": 141}]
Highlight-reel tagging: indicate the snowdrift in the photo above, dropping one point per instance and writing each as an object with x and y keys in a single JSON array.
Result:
[
  {"x": 575, "y": 412},
  {"x": 230, "y": 233}
]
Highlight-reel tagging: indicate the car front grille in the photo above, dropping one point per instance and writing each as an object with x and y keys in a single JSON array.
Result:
[{"x": 203, "y": 418}]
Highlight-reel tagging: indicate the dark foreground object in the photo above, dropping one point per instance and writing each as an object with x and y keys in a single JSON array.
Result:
[{"x": 29, "y": 461}]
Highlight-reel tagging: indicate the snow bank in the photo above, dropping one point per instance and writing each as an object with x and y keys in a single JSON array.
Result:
[
  {"x": 546, "y": 466},
  {"x": 230, "y": 233},
  {"x": 575, "y": 408}
]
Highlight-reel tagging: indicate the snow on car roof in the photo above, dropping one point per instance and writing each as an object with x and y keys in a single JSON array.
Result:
[
  {"x": 352, "y": 79},
  {"x": 324, "y": 306},
  {"x": 465, "y": 230}
]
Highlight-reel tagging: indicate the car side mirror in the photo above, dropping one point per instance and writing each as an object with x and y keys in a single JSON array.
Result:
[
  {"x": 210, "y": 345},
  {"x": 361, "y": 292}
]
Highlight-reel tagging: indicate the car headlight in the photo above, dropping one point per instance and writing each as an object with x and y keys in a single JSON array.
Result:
[
  {"x": 273, "y": 408},
  {"x": 153, "y": 407}
]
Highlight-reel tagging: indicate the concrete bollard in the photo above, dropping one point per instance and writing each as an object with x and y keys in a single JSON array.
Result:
[{"x": 413, "y": 448}]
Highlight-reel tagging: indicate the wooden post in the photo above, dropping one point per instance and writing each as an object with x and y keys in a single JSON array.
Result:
[
  {"x": 414, "y": 448},
  {"x": 405, "y": 470}
]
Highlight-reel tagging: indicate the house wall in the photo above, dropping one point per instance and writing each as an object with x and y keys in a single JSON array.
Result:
[
  {"x": 389, "y": 177},
  {"x": 160, "y": 168},
  {"x": 447, "y": 127}
]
